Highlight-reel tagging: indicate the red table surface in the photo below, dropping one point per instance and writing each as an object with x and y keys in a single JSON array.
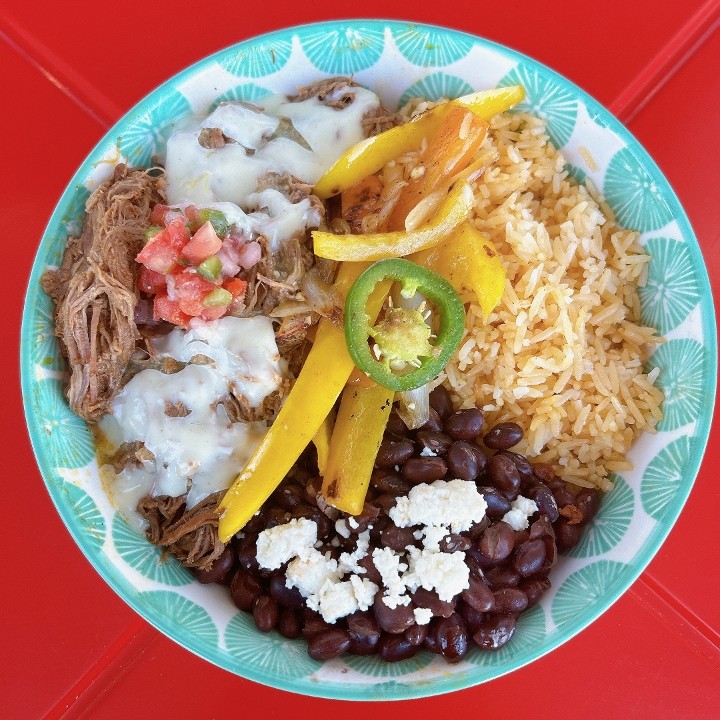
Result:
[{"x": 70, "y": 647}]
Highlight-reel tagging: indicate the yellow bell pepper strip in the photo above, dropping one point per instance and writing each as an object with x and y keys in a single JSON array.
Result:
[
  {"x": 378, "y": 246},
  {"x": 368, "y": 156},
  {"x": 321, "y": 441},
  {"x": 322, "y": 378},
  {"x": 449, "y": 150},
  {"x": 469, "y": 261},
  {"x": 359, "y": 428}
]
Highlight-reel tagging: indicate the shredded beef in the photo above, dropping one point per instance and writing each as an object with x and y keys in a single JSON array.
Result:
[
  {"x": 131, "y": 454},
  {"x": 327, "y": 92},
  {"x": 190, "y": 535},
  {"x": 379, "y": 119},
  {"x": 239, "y": 409},
  {"x": 213, "y": 138},
  {"x": 94, "y": 289}
]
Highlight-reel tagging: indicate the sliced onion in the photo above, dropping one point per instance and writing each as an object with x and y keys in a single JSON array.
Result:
[
  {"x": 289, "y": 308},
  {"x": 414, "y": 406},
  {"x": 322, "y": 297},
  {"x": 424, "y": 210}
]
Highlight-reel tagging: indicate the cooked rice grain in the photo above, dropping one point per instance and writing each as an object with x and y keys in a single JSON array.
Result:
[{"x": 562, "y": 355}]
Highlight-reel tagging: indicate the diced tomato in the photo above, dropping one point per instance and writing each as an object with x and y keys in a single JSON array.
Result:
[
  {"x": 157, "y": 215},
  {"x": 162, "y": 251},
  {"x": 236, "y": 287},
  {"x": 190, "y": 290},
  {"x": 166, "y": 309},
  {"x": 202, "y": 244},
  {"x": 213, "y": 313},
  {"x": 191, "y": 212},
  {"x": 150, "y": 282}
]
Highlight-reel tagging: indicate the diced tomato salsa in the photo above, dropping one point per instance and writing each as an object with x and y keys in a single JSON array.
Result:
[{"x": 180, "y": 267}]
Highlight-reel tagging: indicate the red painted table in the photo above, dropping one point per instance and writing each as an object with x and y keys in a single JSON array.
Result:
[{"x": 70, "y": 647}]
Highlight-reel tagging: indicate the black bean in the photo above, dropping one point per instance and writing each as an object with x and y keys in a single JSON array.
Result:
[
  {"x": 328, "y": 645},
  {"x": 397, "y": 538},
  {"x": 520, "y": 536},
  {"x": 472, "y": 617},
  {"x": 535, "y": 588},
  {"x": 247, "y": 557},
  {"x": 524, "y": 468},
  {"x": 393, "y": 620},
  {"x": 529, "y": 557},
  {"x": 541, "y": 527},
  {"x": 563, "y": 497},
  {"x": 221, "y": 569},
  {"x": 502, "y": 473},
  {"x": 503, "y": 436},
  {"x": 464, "y": 424},
  {"x": 393, "y": 451},
  {"x": 244, "y": 590},
  {"x": 480, "y": 458},
  {"x": 455, "y": 543},
  {"x": 285, "y": 596},
  {"x": 430, "y": 643},
  {"x": 462, "y": 461},
  {"x": 387, "y": 481},
  {"x": 396, "y": 425},
  {"x": 415, "y": 635},
  {"x": 371, "y": 572},
  {"x": 394, "y": 648},
  {"x": 496, "y": 542},
  {"x": 476, "y": 530},
  {"x": 386, "y": 502},
  {"x": 500, "y": 577},
  {"x": 440, "y": 402},
  {"x": 587, "y": 502},
  {"x": 544, "y": 472},
  {"x": 424, "y": 469},
  {"x": 429, "y": 599},
  {"x": 434, "y": 422},
  {"x": 364, "y": 633},
  {"x": 313, "y": 625},
  {"x": 478, "y": 596},
  {"x": 289, "y": 624},
  {"x": 567, "y": 536},
  {"x": 288, "y": 497},
  {"x": 496, "y": 631},
  {"x": 266, "y": 612},
  {"x": 477, "y": 562},
  {"x": 452, "y": 638},
  {"x": 510, "y": 600},
  {"x": 545, "y": 500},
  {"x": 367, "y": 517},
  {"x": 437, "y": 442}
]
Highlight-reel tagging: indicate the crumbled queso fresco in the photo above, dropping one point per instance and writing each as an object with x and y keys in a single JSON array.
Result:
[{"x": 335, "y": 588}]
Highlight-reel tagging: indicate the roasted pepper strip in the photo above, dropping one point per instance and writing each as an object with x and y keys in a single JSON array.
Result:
[
  {"x": 318, "y": 385},
  {"x": 377, "y": 246},
  {"x": 368, "y": 156},
  {"x": 468, "y": 259},
  {"x": 359, "y": 428},
  {"x": 402, "y": 337},
  {"x": 321, "y": 441},
  {"x": 449, "y": 150}
]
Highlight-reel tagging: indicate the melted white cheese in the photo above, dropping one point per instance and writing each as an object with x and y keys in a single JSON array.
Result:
[
  {"x": 202, "y": 452},
  {"x": 229, "y": 175}
]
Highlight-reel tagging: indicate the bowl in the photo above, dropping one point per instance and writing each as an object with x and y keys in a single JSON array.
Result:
[{"x": 398, "y": 60}]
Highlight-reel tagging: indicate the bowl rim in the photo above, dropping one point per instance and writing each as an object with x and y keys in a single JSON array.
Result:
[{"x": 452, "y": 682}]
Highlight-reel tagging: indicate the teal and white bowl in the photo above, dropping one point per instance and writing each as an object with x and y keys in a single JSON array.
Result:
[{"x": 397, "y": 60}]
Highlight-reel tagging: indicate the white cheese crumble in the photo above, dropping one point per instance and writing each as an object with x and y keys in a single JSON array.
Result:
[
  {"x": 349, "y": 561},
  {"x": 281, "y": 543},
  {"x": 446, "y": 573},
  {"x": 520, "y": 510},
  {"x": 453, "y": 503},
  {"x": 423, "y": 615},
  {"x": 390, "y": 566}
]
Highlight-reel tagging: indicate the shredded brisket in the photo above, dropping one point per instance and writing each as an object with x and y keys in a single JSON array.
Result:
[
  {"x": 190, "y": 535},
  {"x": 328, "y": 92},
  {"x": 379, "y": 119},
  {"x": 94, "y": 289}
]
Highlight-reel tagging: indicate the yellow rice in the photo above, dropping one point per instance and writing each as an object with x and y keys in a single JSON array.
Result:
[{"x": 562, "y": 355}]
